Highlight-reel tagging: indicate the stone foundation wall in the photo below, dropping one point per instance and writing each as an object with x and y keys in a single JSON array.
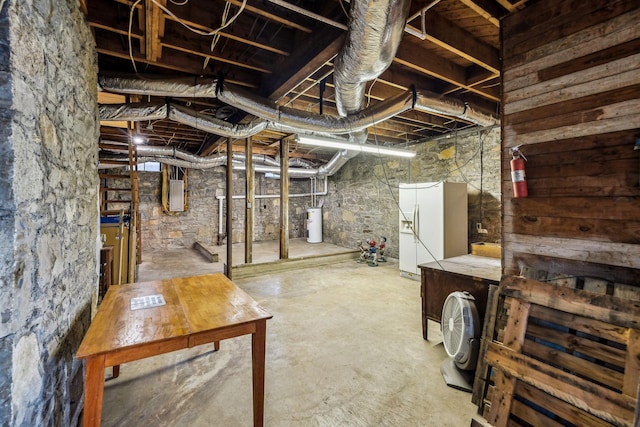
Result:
[
  {"x": 200, "y": 221},
  {"x": 48, "y": 214},
  {"x": 362, "y": 199}
]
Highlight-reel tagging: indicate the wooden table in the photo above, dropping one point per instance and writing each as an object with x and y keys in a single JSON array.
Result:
[
  {"x": 198, "y": 310},
  {"x": 470, "y": 273}
]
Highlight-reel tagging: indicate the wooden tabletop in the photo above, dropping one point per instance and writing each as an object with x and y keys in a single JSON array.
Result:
[
  {"x": 193, "y": 304},
  {"x": 469, "y": 265}
]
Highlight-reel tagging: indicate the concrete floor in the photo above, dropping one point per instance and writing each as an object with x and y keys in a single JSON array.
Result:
[{"x": 344, "y": 348}]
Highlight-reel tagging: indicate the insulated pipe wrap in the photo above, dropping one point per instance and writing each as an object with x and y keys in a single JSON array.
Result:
[
  {"x": 375, "y": 32},
  {"x": 147, "y": 85},
  {"x": 430, "y": 102},
  {"x": 132, "y": 112},
  {"x": 213, "y": 125}
]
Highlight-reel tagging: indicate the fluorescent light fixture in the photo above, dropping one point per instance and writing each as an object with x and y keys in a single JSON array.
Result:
[{"x": 320, "y": 141}]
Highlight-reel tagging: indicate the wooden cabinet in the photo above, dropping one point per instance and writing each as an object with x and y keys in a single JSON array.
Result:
[{"x": 470, "y": 273}]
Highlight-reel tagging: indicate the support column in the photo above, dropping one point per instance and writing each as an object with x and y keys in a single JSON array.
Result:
[
  {"x": 229, "y": 198},
  {"x": 250, "y": 199},
  {"x": 284, "y": 198}
]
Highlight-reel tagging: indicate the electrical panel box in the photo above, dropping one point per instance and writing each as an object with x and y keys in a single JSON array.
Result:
[{"x": 176, "y": 195}]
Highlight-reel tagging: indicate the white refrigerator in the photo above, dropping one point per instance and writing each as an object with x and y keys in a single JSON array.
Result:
[{"x": 433, "y": 224}]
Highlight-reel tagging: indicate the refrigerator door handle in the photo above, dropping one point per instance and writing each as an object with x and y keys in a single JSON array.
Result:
[{"x": 416, "y": 224}]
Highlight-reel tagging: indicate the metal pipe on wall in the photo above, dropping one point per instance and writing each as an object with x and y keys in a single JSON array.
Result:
[
  {"x": 249, "y": 205},
  {"x": 221, "y": 200},
  {"x": 229, "y": 191}
]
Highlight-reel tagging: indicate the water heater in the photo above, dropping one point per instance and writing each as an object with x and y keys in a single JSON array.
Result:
[{"x": 314, "y": 225}]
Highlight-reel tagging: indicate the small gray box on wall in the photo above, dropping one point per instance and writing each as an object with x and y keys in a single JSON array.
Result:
[{"x": 176, "y": 195}]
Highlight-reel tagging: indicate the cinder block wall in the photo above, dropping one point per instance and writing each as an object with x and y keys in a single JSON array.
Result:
[
  {"x": 361, "y": 203},
  {"x": 48, "y": 208}
]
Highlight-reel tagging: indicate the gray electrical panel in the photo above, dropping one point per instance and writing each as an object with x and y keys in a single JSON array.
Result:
[{"x": 176, "y": 195}]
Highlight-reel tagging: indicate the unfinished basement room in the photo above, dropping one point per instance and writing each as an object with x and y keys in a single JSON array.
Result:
[{"x": 320, "y": 213}]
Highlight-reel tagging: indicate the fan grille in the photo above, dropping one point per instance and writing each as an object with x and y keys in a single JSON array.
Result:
[{"x": 452, "y": 326}]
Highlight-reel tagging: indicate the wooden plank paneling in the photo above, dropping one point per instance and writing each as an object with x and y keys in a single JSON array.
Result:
[
  {"x": 571, "y": 101},
  {"x": 619, "y": 254},
  {"x": 603, "y": 35},
  {"x": 555, "y": 21},
  {"x": 600, "y": 57}
]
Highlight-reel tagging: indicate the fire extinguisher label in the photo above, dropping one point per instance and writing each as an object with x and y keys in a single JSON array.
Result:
[{"x": 518, "y": 176}]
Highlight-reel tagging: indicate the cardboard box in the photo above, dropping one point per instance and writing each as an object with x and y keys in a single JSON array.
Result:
[{"x": 492, "y": 250}]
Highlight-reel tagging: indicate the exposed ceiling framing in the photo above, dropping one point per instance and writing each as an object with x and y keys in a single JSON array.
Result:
[{"x": 284, "y": 50}]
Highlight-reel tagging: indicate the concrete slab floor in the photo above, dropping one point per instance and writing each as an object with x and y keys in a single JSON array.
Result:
[{"x": 344, "y": 348}]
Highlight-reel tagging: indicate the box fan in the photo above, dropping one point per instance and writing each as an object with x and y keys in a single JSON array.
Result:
[{"x": 460, "y": 326}]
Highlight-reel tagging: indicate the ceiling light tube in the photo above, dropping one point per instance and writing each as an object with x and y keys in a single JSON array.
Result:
[{"x": 320, "y": 141}]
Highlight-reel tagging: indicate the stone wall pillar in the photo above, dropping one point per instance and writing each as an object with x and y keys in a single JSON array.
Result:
[{"x": 48, "y": 208}]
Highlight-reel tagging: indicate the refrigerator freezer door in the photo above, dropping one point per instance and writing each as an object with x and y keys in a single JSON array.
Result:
[{"x": 407, "y": 240}]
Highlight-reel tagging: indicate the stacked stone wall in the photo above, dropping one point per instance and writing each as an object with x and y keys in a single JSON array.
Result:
[
  {"x": 48, "y": 214},
  {"x": 362, "y": 200},
  {"x": 200, "y": 221}
]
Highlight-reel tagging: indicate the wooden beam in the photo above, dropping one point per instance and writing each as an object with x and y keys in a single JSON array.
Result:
[
  {"x": 284, "y": 198},
  {"x": 215, "y": 58},
  {"x": 105, "y": 27},
  {"x": 507, "y": 5},
  {"x": 154, "y": 29},
  {"x": 426, "y": 62},
  {"x": 252, "y": 9},
  {"x": 313, "y": 55},
  {"x": 271, "y": 17},
  {"x": 231, "y": 36},
  {"x": 444, "y": 33},
  {"x": 165, "y": 65},
  {"x": 485, "y": 8}
]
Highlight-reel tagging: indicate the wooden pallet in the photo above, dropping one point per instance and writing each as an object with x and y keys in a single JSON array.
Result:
[{"x": 568, "y": 357}]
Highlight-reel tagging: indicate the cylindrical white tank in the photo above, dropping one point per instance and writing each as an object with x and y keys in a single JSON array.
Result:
[{"x": 314, "y": 225}]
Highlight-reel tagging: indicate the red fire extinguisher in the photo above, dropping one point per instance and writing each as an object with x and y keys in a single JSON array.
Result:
[{"x": 518, "y": 176}]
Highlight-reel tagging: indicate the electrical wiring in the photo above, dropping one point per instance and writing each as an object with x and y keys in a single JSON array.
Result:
[
  {"x": 369, "y": 92},
  {"x": 195, "y": 30},
  {"x": 343, "y": 8},
  {"x": 180, "y": 21},
  {"x": 459, "y": 167},
  {"x": 387, "y": 183},
  {"x": 133, "y": 7},
  {"x": 216, "y": 37}
]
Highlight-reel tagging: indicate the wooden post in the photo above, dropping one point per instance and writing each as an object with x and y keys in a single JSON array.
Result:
[
  {"x": 284, "y": 198},
  {"x": 229, "y": 208},
  {"x": 250, "y": 201}
]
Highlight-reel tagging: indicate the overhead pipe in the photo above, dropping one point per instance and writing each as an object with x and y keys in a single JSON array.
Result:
[
  {"x": 154, "y": 150},
  {"x": 307, "y": 122},
  {"x": 273, "y": 117},
  {"x": 175, "y": 157},
  {"x": 375, "y": 31}
]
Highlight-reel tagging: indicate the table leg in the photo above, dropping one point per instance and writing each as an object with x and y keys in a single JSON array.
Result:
[
  {"x": 258, "y": 344},
  {"x": 93, "y": 390},
  {"x": 423, "y": 297}
]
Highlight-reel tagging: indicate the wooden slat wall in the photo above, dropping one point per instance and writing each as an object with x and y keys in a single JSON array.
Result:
[{"x": 571, "y": 99}]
